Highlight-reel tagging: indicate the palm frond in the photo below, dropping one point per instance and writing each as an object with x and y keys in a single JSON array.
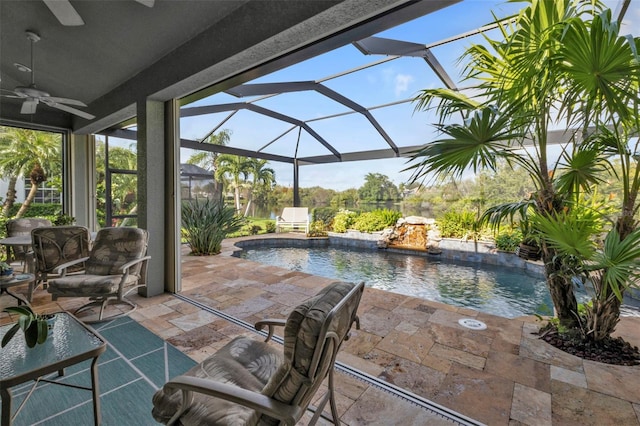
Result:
[
  {"x": 478, "y": 144},
  {"x": 619, "y": 262},
  {"x": 498, "y": 214}
]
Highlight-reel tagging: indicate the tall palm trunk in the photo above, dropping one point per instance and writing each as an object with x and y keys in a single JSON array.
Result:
[
  {"x": 237, "y": 198},
  {"x": 11, "y": 196},
  {"x": 32, "y": 194},
  {"x": 37, "y": 176}
]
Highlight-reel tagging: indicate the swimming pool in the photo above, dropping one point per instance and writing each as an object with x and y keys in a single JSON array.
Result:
[{"x": 508, "y": 292}]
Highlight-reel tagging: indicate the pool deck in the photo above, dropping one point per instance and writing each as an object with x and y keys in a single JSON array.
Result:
[{"x": 503, "y": 375}]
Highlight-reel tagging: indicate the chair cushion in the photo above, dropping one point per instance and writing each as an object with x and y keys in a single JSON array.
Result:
[
  {"x": 88, "y": 285},
  {"x": 113, "y": 247},
  {"x": 301, "y": 335},
  {"x": 243, "y": 362}
]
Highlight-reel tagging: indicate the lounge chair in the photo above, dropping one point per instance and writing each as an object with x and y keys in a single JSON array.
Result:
[
  {"x": 293, "y": 218},
  {"x": 250, "y": 382}
]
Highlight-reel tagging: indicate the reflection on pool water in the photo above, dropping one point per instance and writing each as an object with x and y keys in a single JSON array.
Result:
[{"x": 507, "y": 292}]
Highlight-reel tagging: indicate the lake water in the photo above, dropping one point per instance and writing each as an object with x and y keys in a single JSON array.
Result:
[{"x": 507, "y": 292}]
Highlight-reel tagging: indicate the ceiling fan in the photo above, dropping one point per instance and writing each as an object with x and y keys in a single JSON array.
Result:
[
  {"x": 33, "y": 96},
  {"x": 67, "y": 14}
]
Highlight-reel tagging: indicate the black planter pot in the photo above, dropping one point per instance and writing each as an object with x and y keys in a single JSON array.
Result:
[{"x": 528, "y": 252}]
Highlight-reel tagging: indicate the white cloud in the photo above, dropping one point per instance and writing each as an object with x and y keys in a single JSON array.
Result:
[{"x": 402, "y": 82}]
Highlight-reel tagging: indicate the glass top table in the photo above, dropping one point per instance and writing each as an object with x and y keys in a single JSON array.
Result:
[{"x": 70, "y": 343}]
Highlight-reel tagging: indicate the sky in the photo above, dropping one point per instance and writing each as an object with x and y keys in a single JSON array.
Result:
[{"x": 397, "y": 80}]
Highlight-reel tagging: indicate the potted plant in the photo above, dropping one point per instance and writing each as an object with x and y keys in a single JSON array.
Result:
[
  {"x": 36, "y": 327},
  {"x": 529, "y": 247},
  {"x": 5, "y": 269}
]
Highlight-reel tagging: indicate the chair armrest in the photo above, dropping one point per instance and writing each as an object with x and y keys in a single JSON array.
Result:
[
  {"x": 187, "y": 384},
  {"x": 271, "y": 323},
  {"x": 129, "y": 264},
  {"x": 61, "y": 269}
]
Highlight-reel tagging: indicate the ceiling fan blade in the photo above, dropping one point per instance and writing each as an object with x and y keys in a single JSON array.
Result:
[
  {"x": 69, "y": 109},
  {"x": 29, "y": 106},
  {"x": 65, "y": 12},
  {"x": 66, "y": 101},
  {"x": 148, "y": 3}
]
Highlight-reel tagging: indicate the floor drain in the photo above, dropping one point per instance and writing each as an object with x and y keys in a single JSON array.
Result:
[{"x": 472, "y": 324}]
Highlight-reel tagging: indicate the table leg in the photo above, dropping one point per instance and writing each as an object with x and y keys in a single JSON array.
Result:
[
  {"x": 94, "y": 389},
  {"x": 19, "y": 298},
  {"x": 6, "y": 407}
]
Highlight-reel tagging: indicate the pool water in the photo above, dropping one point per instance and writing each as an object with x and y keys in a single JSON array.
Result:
[{"x": 507, "y": 292}]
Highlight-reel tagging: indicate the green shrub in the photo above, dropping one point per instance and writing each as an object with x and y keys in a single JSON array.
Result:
[
  {"x": 270, "y": 227},
  {"x": 368, "y": 222},
  {"x": 48, "y": 210},
  {"x": 344, "y": 220},
  {"x": 317, "y": 228},
  {"x": 251, "y": 229},
  {"x": 324, "y": 214},
  {"x": 457, "y": 224},
  {"x": 508, "y": 241},
  {"x": 205, "y": 223},
  {"x": 376, "y": 220},
  {"x": 61, "y": 219},
  {"x": 389, "y": 217}
]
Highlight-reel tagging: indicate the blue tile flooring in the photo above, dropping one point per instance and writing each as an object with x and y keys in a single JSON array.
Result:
[{"x": 135, "y": 364}]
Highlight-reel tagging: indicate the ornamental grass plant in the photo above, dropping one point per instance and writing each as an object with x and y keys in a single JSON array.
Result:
[{"x": 205, "y": 223}]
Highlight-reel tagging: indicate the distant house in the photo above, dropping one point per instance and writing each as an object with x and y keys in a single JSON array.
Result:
[
  {"x": 196, "y": 182},
  {"x": 45, "y": 194}
]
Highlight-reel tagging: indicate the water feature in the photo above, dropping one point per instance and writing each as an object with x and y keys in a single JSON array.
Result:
[{"x": 508, "y": 292}]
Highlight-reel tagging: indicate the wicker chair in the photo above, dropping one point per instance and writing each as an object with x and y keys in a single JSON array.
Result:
[
  {"x": 249, "y": 382},
  {"x": 116, "y": 265},
  {"x": 54, "y": 246}
]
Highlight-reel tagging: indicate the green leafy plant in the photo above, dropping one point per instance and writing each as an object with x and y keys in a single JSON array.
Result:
[
  {"x": 252, "y": 229},
  {"x": 5, "y": 268},
  {"x": 205, "y": 223},
  {"x": 35, "y": 326},
  {"x": 457, "y": 224},
  {"x": 270, "y": 227},
  {"x": 317, "y": 229},
  {"x": 508, "y": 241},
  {"x": 324, "y": 214},
  {"x": 376, "y": 220},
  {"x": 344, "y": 220},
  {"x": 61, "y": 219}
]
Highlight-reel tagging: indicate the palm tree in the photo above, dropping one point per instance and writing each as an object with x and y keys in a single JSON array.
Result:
[
  {"x": 209, "y": 160},
  {"x": 25, "y": 152},
  {"x": 561, "y": 61},
  {"x": 261, "y": 178},
  {"x": 237, "y": 168},
  {"x": 123, "y": 185}
]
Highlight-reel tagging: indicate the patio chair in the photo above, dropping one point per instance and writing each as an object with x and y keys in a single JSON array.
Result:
[
  {"x": 22, "y": 227},
  {"x": 116, "y": 266},
  {"x": 254, "y": 383},
  {"x": 53, "y": 246}
]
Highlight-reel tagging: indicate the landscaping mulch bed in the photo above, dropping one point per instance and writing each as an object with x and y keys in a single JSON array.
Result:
[{"x": 614, "y": 351}]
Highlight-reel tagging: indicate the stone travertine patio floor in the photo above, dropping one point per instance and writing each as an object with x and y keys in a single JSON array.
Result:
[{"x": 503, "y": 375}]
